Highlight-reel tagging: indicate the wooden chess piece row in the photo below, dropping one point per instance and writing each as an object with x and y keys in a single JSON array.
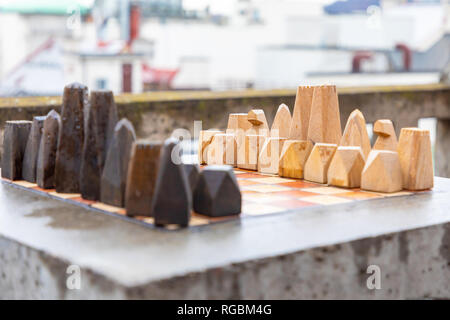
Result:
[
  {"x": 87, "y": 150},
  {"x": 310, "y": 145}
]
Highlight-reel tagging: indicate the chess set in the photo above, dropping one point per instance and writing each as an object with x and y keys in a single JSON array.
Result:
[{"x": 87, "y": 157}]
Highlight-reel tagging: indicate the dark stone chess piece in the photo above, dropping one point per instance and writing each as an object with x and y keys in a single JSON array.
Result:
[
  {"x": 15, "y": 139},
  {"x": 32, "y": 149},
  {"x": 192, "y": 172},
  {"x": 71, "y": 136},
  {"x": 45, "y": 171},
  {"x": 102, "y": 116},
  {"x": 172, "y": 200},
  {"x": 217, "y": 193},
  {"x": 142, "y": 172},
  {"x": 114, "y": 176}
]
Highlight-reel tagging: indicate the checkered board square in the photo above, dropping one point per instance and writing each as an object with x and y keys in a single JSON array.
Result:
[{"x": 262, "y": 194}]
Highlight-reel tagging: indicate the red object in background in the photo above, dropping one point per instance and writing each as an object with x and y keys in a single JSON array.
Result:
[
  {"x": 135, "y": 21},
  {"x": 158, "y": 76},
  {"x": 127, "y": 74},
  {"x": 407, "y": 55},
  {"x": 358, "y": 57}
]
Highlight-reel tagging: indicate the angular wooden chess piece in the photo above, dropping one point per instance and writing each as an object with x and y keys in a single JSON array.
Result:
[
  {"x": 293, "y": 158},
  {"x": 346, "y": 167},
  {"x": 217, "y": 193},
  {"x": 142, "y": 172},
  {"x": 269, "y": 156},
  {"x": 414, "y": 151},
  {"x": 32, "y": 149},
  {"x": 387, "y": 139},
  {"x": 301, "y": 114},
  {"x": 45, "y": 171},
  {"x": 258, "y": 120},
  {"x": 100, "y": 123},
  {"x": 71, "y": 136},
  {"x": 325, "y": 123},
  {"x": 172, "y": 200},
  {"x": 316, "y": 167},
  {"x": 249, "y": 150},
  {"x": 15, "y": 139},
  {"x": 281, "y": 123},
  {"x": 238, "y": 121},
  {"x": 204, "y": 140},
  {"x": 355, "y": 133},
  {"x": 382, "y": 172},
  {"x": 222, "y": 150},
  {"x": 192, "y": 172},
  {"x": 114, "y": 177}
]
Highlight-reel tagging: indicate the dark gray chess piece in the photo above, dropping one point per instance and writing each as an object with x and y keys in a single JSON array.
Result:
[
  {"x": 192, "y": 172},
  {"x": 15, "y": 139},
  {"x": 32, "y": 150}
]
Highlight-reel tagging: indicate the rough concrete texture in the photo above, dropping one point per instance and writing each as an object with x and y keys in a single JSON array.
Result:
[{"x": 322, "y": 252}]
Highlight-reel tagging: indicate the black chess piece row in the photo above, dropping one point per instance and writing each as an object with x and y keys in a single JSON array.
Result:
[{"x": 86, "y": 150}]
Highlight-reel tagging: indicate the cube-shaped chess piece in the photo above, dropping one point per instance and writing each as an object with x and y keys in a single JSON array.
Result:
[
  {"x": 316, "y": 167},
  {"x": 222, "y": 150},
  {"x": 355, "y": 133},
  {"x": 269, "y": 156},
  {"x": 204, "y": 140},
  {"x": 249, "y": 150},
  {"x": 114, "y": 177},
  {"x": 71, "y": 139},
  {"x": 172, "y": 200},
  {"x": 382, "y": 172},
  {"x": 387, "y": 139},
  {"x": 45, "y": 171},
  {"x": 293, "y": 158},
  {"x": 217, "y": 193},
  {"x": 346, "y": 167},
  {"x": 414, "y": 151},
  {"x": 32, "y": 150},
  {"x": 142, "y": 172},
  {"x": 15, "y": 139}
]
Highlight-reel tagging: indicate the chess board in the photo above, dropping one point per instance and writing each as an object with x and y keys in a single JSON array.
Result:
[{"x": 262, "y": 194}]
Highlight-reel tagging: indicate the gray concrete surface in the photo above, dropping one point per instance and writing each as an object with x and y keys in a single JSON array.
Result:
[{"x": 316, "y": 253}]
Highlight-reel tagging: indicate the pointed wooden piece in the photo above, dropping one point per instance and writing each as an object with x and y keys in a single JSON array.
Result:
[
  {"x": 142, "y": 172},
  {"x": 15, "y": 139},
  {"x": 382, "y": 172},
  {"x": 301, "y": 114},
  {"x": 269, "y": 156},
  {"x": 387, "y": 139},
  {"x": 70, "y": 141},
  {"x": 172, "y": 200},
  {"x": 32, "y": 150},
  {"x": 325, "y": 123},
  {"x": 192, "y": 172},
  {"x": 293, "y": 158},
  {"x": 204, "y": 140},
  {"x": 281, "y": 123},
  {"x": 316, "y": 167},
  {"x": 45, "y": 171},
  {"x": 217, "y": 193},
  {"x": 258, "y": 119},
  {"x": 114, "y": 176},
  {"x": 249, "y": 150},
  {"x": 414, "y": 150},
  {"x": 346, "y": 167},
  {"x": 222, "y": 150},
  {"x": 355, "y": 133}
]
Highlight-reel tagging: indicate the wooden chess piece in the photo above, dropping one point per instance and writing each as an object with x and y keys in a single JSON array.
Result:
[
  {"x": 249, "y": 151},
  {"x": 414, "y": 151},
  {"x": 172, "y": 200},
  {"x": 32, "y": 150},
  {"x": 293, "y": 158},
  {"x": 387, "y": 139},
  {"x": 382, "y": 172},
  {"x": 204, "y": 140},
  {"x": 269, "y": 156},
  {"x": 301, "y": 114},
  {"x": 45, "y": 171},
  {"x": 222, "y": 150},
  {"x": 325, "y": 123},
  {"x": 281, "y": 123},
  {"x": 346, "y": 167},
  {"x": 114, "y": 176},
  {"x": 238, "y": 121},
  {"x": 142, "y": 171},
  {"x": 15, "y": 139},
  {"x": 316, "y": 167},
  {"x": 355, "y": 133},
  {"x": 70, "y": 141},
  {"x": 217, "y": 193}
]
